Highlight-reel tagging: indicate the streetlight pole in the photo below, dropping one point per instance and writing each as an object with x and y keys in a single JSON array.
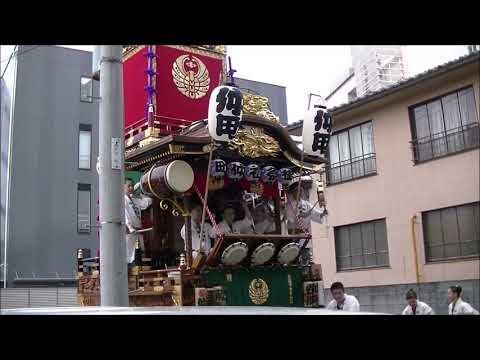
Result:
[{"x": 113, "y": 263}]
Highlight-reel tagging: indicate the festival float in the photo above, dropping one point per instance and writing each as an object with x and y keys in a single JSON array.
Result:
[{"x": 192, "y": 136}]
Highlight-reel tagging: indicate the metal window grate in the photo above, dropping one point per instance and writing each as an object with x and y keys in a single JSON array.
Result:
[
  {"x": 446, "y": 142},
  {"x": 350, "y": 169}
]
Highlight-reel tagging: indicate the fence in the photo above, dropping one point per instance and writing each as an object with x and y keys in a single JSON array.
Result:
[{"x": 11, "y": 298}]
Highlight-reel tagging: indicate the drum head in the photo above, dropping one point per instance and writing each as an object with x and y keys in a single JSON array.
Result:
[
  {"x": 179, "y": 176},
  {"x": 263, "y": 253},
  {"x": 234, "y": 253},
  {"x": 288, "y": 253}
]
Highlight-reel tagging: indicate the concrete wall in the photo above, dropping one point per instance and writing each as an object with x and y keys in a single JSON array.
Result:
[
  {"x": 391, "y": 298},
  {"x": 277, "y": 96},
  {"x": 341, "y": 94},
  {"x": 401, "y": 190},
  {"x": 43, "y": 208}
]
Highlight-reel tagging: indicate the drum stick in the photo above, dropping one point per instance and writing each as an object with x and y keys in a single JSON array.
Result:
[{"x": 206, "y": 196}]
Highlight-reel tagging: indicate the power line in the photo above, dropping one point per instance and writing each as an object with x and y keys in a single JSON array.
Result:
[
  {"x": 17, "y": 54},
  {"x": 6, "y": 66}
]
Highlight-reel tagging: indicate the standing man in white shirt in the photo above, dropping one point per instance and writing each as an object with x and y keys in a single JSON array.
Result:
[
  {"x": 208, "y": 233},
  {"x": 416, "y": 307},
  {"x": 457, "y": 306},
  {"x": 133, "y": 207},
  {"x": 342, "y": 301},
  {"x": 306, "y": 213}
]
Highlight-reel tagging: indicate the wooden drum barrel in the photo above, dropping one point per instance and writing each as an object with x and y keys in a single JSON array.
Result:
[{"x": 161, "y": 181}]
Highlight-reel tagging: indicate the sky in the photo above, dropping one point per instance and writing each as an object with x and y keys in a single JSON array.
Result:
[{"x": 312, "y": 69}]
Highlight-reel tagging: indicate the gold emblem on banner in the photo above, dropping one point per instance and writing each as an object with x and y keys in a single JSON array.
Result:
[
  {"x": 258, "y": 291},
  {"x": 190, "y": 76}
]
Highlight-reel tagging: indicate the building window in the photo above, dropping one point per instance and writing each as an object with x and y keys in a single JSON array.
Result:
[
  {"x": 361, "y": 245},
  {"x": 452, "y": 232},
  {"x": 351, "y": 154},
  {"x": 84, "y": 146},
  {"x": 86, "y": 89},
  {"x": 83, "y": 208},
  {"x": 445, "y": 125}
]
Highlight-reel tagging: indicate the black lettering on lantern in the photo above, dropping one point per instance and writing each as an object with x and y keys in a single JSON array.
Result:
[
  {"x": 320, "y": 142},
  {"x": 230, "y": 100},
  {"x": 219, "y": 167},
  {"x": 227, "y": 125}
]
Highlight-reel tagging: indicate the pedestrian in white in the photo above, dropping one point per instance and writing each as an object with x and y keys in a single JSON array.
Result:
[
  {"x": 342, "y": 301},
  {"x": 133, "y": 207},
  {"x": 457, "y": 306},
  {"x": 416, "y": 307}
]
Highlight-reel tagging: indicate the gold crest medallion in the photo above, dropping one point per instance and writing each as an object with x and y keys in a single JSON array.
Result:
[
  {"x": 190, "y": 76},
  {"x": 258, "y": 291}
]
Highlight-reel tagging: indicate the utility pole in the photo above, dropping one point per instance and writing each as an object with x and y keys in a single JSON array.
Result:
[{"x": 113, "y": 263}]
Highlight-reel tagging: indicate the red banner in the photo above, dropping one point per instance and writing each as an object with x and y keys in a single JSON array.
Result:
[{"x": 184, "y": 82}]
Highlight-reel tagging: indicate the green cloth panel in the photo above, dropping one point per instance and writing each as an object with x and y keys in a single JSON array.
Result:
[{"x": 237, "y": 282}]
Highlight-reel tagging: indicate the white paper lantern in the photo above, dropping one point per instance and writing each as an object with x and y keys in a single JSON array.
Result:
[
  {"x": 284, "y": 176},
  {"x": 218, "y": 168},
  {"x": 317, "y": 128},
  {"x": 252, "y": 172},
  {"x": 235, "y": 170},
  {"x": 224, "y": 113},
  {"x": 269, "y": 174}
]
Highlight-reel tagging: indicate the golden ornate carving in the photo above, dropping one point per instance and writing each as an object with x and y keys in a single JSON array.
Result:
[
  {"x": 177, "y": 210},
  {"x": 258, "y": 291},
  {"x": 253, "y": 142},
  {"x": 258, "y": 105}
]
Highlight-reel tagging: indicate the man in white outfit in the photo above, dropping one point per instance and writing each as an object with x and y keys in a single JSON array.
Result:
[
  {"x": 342, "y": 301},
  {"x": 208, "y": 233},
  {"x": 306, "y": 213},
  {"x": 133, "y": 207},
  {"x": 228, "y": 225},
  {"x": 416, "y": 307},
  {"x": 457, "y": 306}
]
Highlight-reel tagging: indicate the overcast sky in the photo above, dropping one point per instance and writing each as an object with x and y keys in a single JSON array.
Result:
[{"x": 312, "y": 69}]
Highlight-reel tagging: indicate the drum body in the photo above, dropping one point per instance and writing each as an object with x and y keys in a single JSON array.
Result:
[{"x": 161, "y": 181}]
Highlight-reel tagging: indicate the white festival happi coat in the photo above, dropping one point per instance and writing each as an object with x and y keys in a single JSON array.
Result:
[
  {"x": 421, "y": 309},
  {"x": 208, "y": 235},
  {"x": 244, "y": 226},
  {"x": 306, "y": 212},
  {"x": 133, "y": 207},
  {"x": 461, "y": 307},
  {"x": 351, "y": 304}
]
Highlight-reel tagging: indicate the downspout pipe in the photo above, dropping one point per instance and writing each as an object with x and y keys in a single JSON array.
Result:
[{"x": 415, "y": 254}]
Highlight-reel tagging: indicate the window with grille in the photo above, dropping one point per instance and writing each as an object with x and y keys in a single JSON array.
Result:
[
  {"x": 445, "y": 125},
  {"x": 452, "y": 232},
  {"x": 361, "y": 245},
  {"x": 351, "y": 154},
  {"x": 86, "y": 89},
  {"x": 83, "y": 208}
]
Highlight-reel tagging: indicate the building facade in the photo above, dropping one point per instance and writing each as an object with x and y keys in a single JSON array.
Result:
[
  {"x": 51, "y": 186},
  {"x": 377, "y": 67},
  {"x": 403, "y": 191},
  {"x": 343, "y": 90}
]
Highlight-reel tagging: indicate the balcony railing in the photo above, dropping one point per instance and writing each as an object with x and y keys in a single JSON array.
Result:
[
  {"x": 164, "y": 124},
  {"x": 445, "y": 143},
  {"x": 351, "y": 169}
]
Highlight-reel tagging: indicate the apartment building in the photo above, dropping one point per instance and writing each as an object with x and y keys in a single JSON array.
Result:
[{"x": 403, "y": 191}]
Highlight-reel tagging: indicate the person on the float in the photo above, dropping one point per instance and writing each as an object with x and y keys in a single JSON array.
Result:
[
  {"x": 456, "y": 305},
  {"x": 228, "y": 225},
  {"x": 133, "y": 206},
  {"x": 416, "y": 307},
  {"x": 208, "y": 233},
  {"x": 342, "y": 301},
  {"x": 263, "y": 220},
  {"x": 306, "y": 213}
]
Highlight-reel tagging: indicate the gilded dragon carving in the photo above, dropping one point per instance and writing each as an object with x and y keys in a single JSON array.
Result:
[{"x": 253, "y": 142}]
